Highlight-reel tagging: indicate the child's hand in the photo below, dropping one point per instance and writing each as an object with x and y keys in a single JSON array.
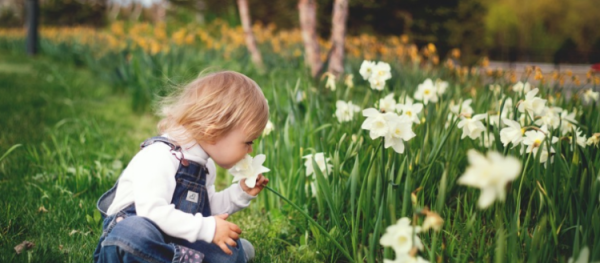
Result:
[
  {"x": 226, "y": 233},
  {"x": 261, "y": 182}
]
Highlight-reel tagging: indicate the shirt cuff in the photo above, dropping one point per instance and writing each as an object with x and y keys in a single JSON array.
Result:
[
  {"x": 208, "y": 229},
  {"x": 240, "y": 195}
]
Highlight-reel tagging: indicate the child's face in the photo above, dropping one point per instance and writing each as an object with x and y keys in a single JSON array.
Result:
[{"x": 229, "y": 149}]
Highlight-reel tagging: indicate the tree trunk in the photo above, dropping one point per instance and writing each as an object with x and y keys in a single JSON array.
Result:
[
  {"x": 33, "y": 12},
  {"x": 250, "y": 39},
  {"x": 308, "y": 24},
  {"x": 114, "y": 9},
  {"x": 159, "y": 11},
  {"x": 200, "y": 9},
  {"x": 136, "y": 12},
  {"x": 338, "y": 33}
]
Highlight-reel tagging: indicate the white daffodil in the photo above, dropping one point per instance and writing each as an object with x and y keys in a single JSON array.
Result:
[
  {"x": 495, "y": 89},
  {"x": 490, "y": 173},
  {"x": 400, "y": 131},
  {"x": 580, "y": 138},
  {"x": 590, "y": 96},
  {"x": 532, "y": 104},
  {"x": 550, "y": 117},
  {"x": 382, "y": 71},
  {"x": 376, "y": 122},
  {"x": 522, "y": 87},
  {"x": 387, "y": 104},
  {"x": 300, "y": 96},
  {"x": 583, "y": 257},
  {"x": 349, "y": 81},
  {"x": 330, "y": 80},
  {"x": 505, "y": 113},
  {"x": 406, "y": 258},
  {"x": 410, "y": 110},
  {"x": 567, "y": 121},
  {"x": 345, "y": 110},
  {"x": 268, "y": 128},
  {"x": 441, "y": 86},
  {"x": 426, "y": 92},
  {"x": 522, "y": 119},
  {"x": 508, "y": 107},
  {"x": 401, "y": 237},
  {"x": 463, "y": 109},
  {"x": 321, "y": 161},
  {"x": 366, "y": 69},
  {"x": 249, "y": 168},
  {"x": 376, "y": 83},
  {"x": 535, "y": 139},
  {"x": 594, "y": 140},
  {"x": 405, "y": 100},
  {"x": 511, "y": 134},
  {"x": 472, "y": 127}
]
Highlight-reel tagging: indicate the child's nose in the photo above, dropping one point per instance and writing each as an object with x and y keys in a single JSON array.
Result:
[{"x": 250, "y": 149}]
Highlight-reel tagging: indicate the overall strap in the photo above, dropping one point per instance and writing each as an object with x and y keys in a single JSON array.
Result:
[
  {"x": 174, "y": 147},
  {"x": 164, "y": 140}
]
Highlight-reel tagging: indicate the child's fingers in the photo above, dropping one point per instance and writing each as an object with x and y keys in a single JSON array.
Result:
[
  {"x": 234, "y": 235},
  {"x": 225, "y": 249},
  {"x": 262, "y": 181},
  {"x": 231, "y": 242},
  {"x": 235, "y": 228}
]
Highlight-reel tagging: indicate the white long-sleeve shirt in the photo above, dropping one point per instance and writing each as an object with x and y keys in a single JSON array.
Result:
[{"x": 149, "y": 182}]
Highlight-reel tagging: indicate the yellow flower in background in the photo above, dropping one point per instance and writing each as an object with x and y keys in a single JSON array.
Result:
[
  {"x": 594, "y": 140},
  {"x": 431, "y": 48}
]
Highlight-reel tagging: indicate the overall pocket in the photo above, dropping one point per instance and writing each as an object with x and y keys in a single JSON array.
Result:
[{"x": 189, "y": 196}]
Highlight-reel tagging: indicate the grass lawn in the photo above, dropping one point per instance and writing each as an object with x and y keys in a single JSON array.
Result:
[{"x": 73, "y": 135}]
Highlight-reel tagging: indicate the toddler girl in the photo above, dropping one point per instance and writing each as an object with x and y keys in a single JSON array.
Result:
[{"x": 164, "y": 207}]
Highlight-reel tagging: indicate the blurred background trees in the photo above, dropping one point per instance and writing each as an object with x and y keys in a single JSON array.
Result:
[{"x": 559, "y": 31}]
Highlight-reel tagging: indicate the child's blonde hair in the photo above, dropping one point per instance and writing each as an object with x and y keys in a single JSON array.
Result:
[{"x": 213, "y": 105}]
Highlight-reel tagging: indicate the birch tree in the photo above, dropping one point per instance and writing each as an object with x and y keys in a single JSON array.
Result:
[
  {"x": 250, "y": 39},
  {"x": 338, "y": 34},
  {"x": 308, "y": 25}
]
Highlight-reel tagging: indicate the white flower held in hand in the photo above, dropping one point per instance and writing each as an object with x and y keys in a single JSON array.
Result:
[
  {"x": 490, "y": 173},
  {"x": 249, "y": 168}
]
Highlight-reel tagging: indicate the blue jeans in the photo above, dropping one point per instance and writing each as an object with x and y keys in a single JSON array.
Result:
[{"x": 137, "y": 239}]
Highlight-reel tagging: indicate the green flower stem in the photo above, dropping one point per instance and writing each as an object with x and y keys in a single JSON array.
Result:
[
  {"x": 314, "y": 222},
  {"x": 518, "y": 219}
]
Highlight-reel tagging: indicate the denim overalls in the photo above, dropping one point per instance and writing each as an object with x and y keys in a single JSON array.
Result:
[{"x": 127, "y": 237}]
